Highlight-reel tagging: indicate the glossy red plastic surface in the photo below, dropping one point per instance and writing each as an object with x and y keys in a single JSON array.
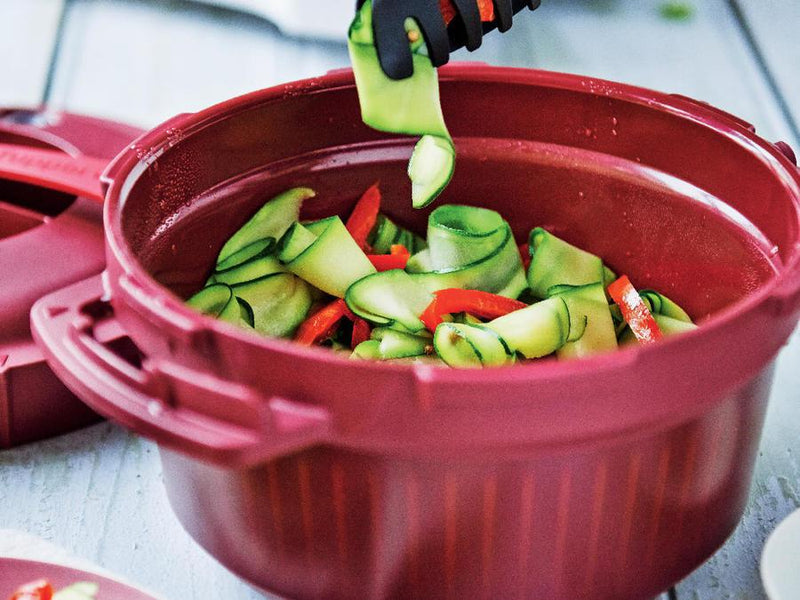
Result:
[
  {"x": 318, "y": 477},
  {"x": 53, "y": 170},
  {"x": 48, "y": 239}
]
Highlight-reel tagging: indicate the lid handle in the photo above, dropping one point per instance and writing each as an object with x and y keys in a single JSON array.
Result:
[{"x": 53, "y": 170}]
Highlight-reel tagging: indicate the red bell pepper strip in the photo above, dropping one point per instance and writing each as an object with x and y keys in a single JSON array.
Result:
[
  {"x": 361, "y": 332},
  {"x": 397, "y": 259},
  {"x": 476, "y": 302},
  {"x": 449, "y": 11},
  {"x": 36, "y": 590},
  {"x": 321, "y": 324},
  {"x": 635, "y": 311},
  {"x": 364, "y": 216}
]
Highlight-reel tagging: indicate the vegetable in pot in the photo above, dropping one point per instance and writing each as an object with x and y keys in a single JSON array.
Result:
[{"x": 464, "y": 298}]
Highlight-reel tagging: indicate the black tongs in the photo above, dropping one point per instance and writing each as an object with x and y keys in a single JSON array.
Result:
[{"x": 466, "y": 30}]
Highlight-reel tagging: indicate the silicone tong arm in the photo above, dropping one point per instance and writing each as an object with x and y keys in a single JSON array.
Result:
[{"x": 466, "y": 30}]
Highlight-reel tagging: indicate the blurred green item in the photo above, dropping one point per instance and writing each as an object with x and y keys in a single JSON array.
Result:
[{"x": 677, "y": 11}]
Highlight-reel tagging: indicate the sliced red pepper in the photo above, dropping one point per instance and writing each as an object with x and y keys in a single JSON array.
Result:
[
  {"x": 397, "y": 259},
  {"x": 364, "y": 216},
  {"x": 525, "y": 254},
  {"x": 449, "y": 10},
  {"x": 36, "y": 590},
  {"x": 361, "y": 332},
  {"x": 481, "y": 304},
  {"x": 635, "y": 311},
  {"x": 320, "y": 325}
]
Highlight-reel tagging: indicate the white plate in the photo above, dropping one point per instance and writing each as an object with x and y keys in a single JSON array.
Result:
[{"x": 780, "y": 561}]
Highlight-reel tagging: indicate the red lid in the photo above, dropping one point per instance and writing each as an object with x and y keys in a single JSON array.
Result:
[{"x": 48, "y": 239}]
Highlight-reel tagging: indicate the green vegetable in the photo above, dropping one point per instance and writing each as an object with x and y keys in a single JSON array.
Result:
[
  {"x": 469, "y": 248},
  {"x": 325, "y": 255},
  {"x": 271, "y": 221},
  {"x": 410, "y": 106}
]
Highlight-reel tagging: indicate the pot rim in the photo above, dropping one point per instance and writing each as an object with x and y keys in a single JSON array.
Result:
[{"x": 780, "y": 295}]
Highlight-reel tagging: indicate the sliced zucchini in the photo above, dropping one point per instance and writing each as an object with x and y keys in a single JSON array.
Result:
[
  {"x": 246, "y": 311},
  {"x": 368, "y": 350},
  {"x": 296, "y": 239},
  {"x": 465, "y": 345},
  {"x": 668, "y": 326},
  {"x": 556, "y": 262},
  {"x": 588, "y": 304},
  {"x": 661, "y": 305},
  {"x": 430, "y": 169},
  {"x": 271, "y": 221},
  {"x": 389, "y": 297},
  {"x": 332, "y": 262},
  {"x": 399, "y": 344},
  {"x": 465, "y": 318},
  {"x": 609, "y": 276},
  {"x": 469, "y": 248},
  {"x": 279, "y": 302},
  {"x": 537, "y": 330},
  {"x": 383, "y": 235},
  {"x": 211, "y": 300},
  {"x": 672, "y": 326},
  {"x": 256, "y": 249},
  {"x": 255, "y": 268},
  {"x": 411, "y": 106},
  {"x": 386, "y": 233}
]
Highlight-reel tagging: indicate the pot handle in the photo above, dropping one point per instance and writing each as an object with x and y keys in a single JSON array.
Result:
[
  {"x": 53, "y": 170},
  {"x": 189, "y": 411}
]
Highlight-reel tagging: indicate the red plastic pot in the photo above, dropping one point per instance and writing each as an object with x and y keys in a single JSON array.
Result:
[
  {"x": 317, "y": 477},
  {"x": 51, "y": 235}
]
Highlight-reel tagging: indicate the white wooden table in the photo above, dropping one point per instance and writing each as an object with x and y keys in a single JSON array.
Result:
[{"x": 98, "y": 492}]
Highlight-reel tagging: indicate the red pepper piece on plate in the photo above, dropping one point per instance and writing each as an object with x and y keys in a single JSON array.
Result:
[
  {"x": 397, "y": 259},
  {"x": 634, "y": 311},
  {"x": 36, "y": 590},
  {"x": 364, "y": 216},
  {"x": 476, "y": 302},
  {"x": 320, "y": 325}
]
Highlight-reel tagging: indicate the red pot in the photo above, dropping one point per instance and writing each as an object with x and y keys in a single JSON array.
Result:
[{"x": 317, "y": 477}]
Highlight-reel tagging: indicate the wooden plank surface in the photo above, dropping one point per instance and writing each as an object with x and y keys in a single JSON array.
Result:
[
  {"x": 99, "y": 493},
  {"x": 27, "y": 34}
]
